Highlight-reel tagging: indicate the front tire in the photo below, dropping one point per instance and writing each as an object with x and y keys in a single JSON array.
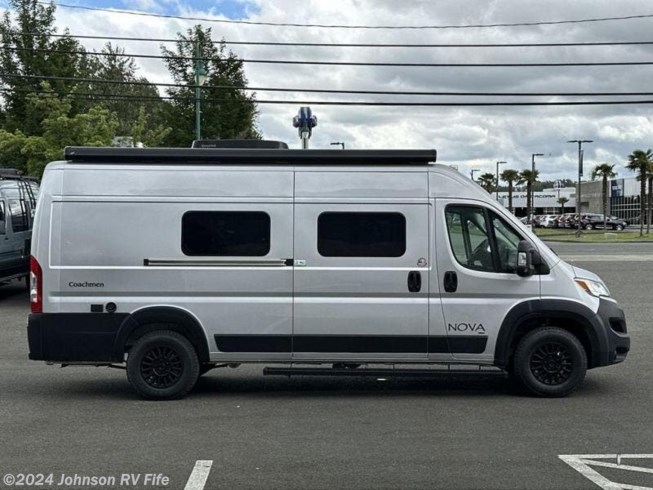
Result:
[
  {"x": 550, "y": 362},
  {"x": 589, "y": 226},
  {"x": 619, "y": 228},
  {"x": 163, "y": 365}
]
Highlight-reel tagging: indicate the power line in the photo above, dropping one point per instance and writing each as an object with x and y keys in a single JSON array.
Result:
[
  {"x": 335, "y": 26},
  {"x": 345, "y": 63},
  {"x": 331, "y": 91},
  {"x": 354, "y": 45},
  {"x": 89, "y": 95}
]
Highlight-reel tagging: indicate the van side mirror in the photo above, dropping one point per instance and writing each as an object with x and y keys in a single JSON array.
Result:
[{"x": 525, "y": 256}]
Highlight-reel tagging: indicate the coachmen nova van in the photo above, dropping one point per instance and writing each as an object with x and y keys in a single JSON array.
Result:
[{"x": 311, "y": 262}]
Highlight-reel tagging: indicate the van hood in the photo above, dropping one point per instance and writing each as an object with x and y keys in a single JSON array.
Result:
[{"x": 585, "y": 274}]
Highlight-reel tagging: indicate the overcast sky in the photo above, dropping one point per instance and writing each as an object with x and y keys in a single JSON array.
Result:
[{"x": 471, "y": 137}]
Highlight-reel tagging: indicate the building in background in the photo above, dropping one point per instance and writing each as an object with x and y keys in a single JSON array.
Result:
[
  {"x": 623, "y": 198},
  {"x": 544, "y": 202}
]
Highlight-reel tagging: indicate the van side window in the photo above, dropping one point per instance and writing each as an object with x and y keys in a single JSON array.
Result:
[
  {"x": 507, "y": 243},
  {"x": 363, "y": 234},
  {"x": 2, "y": 218},
  {"x": 225, "y": 233},
  {"x": 469, "y": 238},
  {"x": 18, "y": 211},
  {"x": 481, "y": 240}
]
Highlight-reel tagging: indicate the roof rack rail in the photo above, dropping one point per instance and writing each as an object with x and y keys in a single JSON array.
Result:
[
  {"x": 268, "y": 144},
  {"x": 248, "y": 156}
]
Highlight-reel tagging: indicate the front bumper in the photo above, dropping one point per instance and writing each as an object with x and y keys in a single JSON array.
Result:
[{"x": 612, "y": 335}]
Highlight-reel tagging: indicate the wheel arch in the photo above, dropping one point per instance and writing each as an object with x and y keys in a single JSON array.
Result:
[
  {"x": 154, "y": 318},
  {"x": 576, "y": 318}
]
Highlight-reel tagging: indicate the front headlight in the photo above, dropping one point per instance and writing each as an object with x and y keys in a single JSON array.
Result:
[{"x": 595, "y": 288}]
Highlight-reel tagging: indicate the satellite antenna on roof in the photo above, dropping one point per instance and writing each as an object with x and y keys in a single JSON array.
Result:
[{"x": 305, "y": 121}]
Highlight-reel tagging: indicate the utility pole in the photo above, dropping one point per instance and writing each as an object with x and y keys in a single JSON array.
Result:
[
  {"x": 498, "y": 163},
  {"x": 531, "y": 206},
  {"x": 580, "y": 175}
]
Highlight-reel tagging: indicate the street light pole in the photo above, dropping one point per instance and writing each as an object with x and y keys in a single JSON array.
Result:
[
  {"x": 532, "y": 203},
  {"x": 200, "y": 78},
  {"x": 498, "y": 163},
  {"x": 580, "y": 174},
  {"x": 472, "y": 172},
  {"x": 336, "y": 143}
]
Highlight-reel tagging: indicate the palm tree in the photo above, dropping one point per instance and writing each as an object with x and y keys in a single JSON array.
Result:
[
  {"x": 640, "y": 161},
  {"x": 487, "y": 181},
  {"x": 512, "y": 177},
  {"x": 605, "y": 171},
  {"x": 562, "y": 201},
  {"x": 529, "y": 177}
]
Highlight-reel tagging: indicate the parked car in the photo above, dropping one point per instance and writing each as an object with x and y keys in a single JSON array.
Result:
[
  {"x": 17, "y": 203},
  {"x": 591, "y": 221},
  {"x": 549, "y": 221}
]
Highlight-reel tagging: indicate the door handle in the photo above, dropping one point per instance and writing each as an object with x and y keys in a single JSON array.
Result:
[
  {"x": 414, "y": 281},
  {"x": 450, "y": 281}
]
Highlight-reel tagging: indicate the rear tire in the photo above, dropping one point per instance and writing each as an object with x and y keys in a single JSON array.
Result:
[
  {"x": 550, "y": 362},
  {"x": 619, "y": 227},
  {"x": 162, "y": 365}
]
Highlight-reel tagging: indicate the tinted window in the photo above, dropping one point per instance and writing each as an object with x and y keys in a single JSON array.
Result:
[
  {"x": 469, "y": 238},
  {"x": 507, "y": 243},
  {"x": 478, "y": 247},
  {"x": 361, "y": 234},
  {"x": 231, "y": 233},
  {"x": 2, "y": 218},
  {"x": 18, "y": 211}
]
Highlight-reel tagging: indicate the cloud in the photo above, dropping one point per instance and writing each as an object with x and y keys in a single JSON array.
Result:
[{"x": 472, "y": 137}]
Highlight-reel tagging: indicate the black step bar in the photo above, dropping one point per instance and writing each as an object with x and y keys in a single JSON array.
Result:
[{"x": 380, "y": 373}]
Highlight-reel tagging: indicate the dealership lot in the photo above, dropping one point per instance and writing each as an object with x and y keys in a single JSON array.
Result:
[{"x": 265, "y": 432}]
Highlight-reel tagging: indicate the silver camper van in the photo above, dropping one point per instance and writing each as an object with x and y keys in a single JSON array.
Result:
[
  {"x": 310, "y": 262},
  {"x": 17, "y": 204}
]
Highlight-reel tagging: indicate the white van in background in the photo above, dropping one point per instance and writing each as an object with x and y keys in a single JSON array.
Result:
[
  {"x": 17, "y": 204},
  {"x": 325, "y": 262}
]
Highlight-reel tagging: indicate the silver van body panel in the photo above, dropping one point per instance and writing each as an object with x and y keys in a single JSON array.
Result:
[{"x": 129, "y": 249}]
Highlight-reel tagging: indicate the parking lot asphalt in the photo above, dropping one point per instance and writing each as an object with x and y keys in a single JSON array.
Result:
[{"x": 268, "y": 432}]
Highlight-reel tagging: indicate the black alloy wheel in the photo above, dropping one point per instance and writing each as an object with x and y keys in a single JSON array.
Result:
[
  {"x": 162, "y": 365},
  {"x": 550, "y": 362}
]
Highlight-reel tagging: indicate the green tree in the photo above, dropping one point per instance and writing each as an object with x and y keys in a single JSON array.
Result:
[
  {"x": 512, "y": 177},
  {"x": 11, "y": 146},
  {"x": 60, "y": 128},
  {"x": 562, "y": 201},
  {"x": 118, "y": 92},
  {"x": 605, "y": 171},
  {"x": 227, "y": 110},
  {"x": 640, "y": 161},
  {"x": 530, "y": 178},
  {"x": 488, "y": 182},
  {"x": 28, "y": 50}
]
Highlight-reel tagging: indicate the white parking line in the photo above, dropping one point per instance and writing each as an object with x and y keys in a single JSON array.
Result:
[
  {"x": 199, "y": 475},
  {"x": 583, "y": 462}
]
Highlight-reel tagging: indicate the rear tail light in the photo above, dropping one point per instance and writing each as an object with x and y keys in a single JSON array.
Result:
[{"x": 35, "y": 286}]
